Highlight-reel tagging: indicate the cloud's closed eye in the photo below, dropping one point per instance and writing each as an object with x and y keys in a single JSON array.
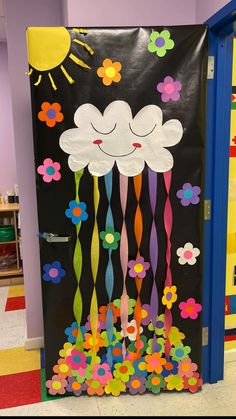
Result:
[{"x": 100, "y": 140}]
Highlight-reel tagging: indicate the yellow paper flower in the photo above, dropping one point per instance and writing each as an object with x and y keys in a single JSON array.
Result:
[
  {"x": 115, "y": 387},
  {"x": 174, "y": 382},
  {"x": 110, "y": 72},
  {"x": 174, "y": 335},
  {"x": 66, "y": 351},
  {"x": 169, "y": 296}
]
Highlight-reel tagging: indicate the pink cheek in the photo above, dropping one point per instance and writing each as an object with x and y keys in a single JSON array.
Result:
[
  {"x": 137, "y": 145},
  {"x": 97, "y": 142}
]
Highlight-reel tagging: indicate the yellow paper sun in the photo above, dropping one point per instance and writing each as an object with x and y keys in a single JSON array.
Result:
[{"x": 48, "y": 48}]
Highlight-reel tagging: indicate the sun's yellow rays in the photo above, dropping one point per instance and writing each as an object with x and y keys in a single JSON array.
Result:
[
  {"x": 52, "y": 81},
  {"x": 79, "y": 30},
  {"x": 39, "y": 80},
  {"x": 69, "y": 78},
  {"x": 78, "y": 61},
  {"x": 88, "y": 48},
  {"x": 28, "y": 73}
]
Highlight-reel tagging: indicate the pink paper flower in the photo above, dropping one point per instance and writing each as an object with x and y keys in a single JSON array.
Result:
[
  {"x": 138, "y": 267},
  {"x": 101, "y": 372},
  {"x": 56, "y": 385},
  {"x": 190, "y": 309},
  {"x": 49, "y": 170},
  {"x": 186, "y": 368},
  {"x": 76, "y": 360},
  {"x": 170, "y": 89}
]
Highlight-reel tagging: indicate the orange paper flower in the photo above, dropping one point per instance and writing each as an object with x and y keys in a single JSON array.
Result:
[
  {"x": 109, "y": 72},
  {"x": 93, "y": 343},
  {"x": 155, "y": 362},
  {"x": 103, "y": 312},
  {"x": 50, "y": 114}
]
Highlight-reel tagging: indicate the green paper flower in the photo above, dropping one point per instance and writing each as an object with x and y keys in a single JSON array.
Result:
[
  {"x": 82, "y": 374},
  {"x": 110, "y": 238},
  {"x": 123, "y": 371},
  {"x": 179, "y": 352},
  {"x": 159, "y": 325},
  {"x": 115, "y": 337},
  {"x": 160, "y": 346},
  {"x": 143, "y": 343},
  {"x": 131, "y": 304},
  {"x": 160, "y": 43},
  {"x": 155, "y": 382}
]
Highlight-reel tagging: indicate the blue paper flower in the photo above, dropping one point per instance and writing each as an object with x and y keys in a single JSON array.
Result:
[
  {"x": 53, "y": 272},
  {"x": 76, "y": 212},
  {"x": 72, "y": 332},
  {"x": 140, "y": 367},
  {"x": 171, "y": 367}
]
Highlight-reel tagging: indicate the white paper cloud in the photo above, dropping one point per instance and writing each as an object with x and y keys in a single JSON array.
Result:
[{"x": 115, "y": 136}]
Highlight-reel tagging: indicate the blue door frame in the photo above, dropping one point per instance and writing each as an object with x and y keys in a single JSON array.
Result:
[{"x": 221, "y": 31}]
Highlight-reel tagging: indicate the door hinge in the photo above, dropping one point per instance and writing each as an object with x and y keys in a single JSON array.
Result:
[
  {"x": 204, "y": 336},
  {"x": 207, "y": 209},
  {"x": 211, "y": 67}
]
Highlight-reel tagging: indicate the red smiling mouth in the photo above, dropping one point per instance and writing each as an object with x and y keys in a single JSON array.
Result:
[{"x": 136, "y": 145}]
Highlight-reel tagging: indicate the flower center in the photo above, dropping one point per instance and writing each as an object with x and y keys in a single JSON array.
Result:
[
  {"x": 138, "y": 267},
  {"x": 95, "y": 384},
  {"x": 136, "y": 384},
  {"x": 77, "y": 212},
  {"x": 93, "y": 341},
  {"x": 53, "y": 272},
  {"x": 159, "y": 42},
  {"x": 50, "y": 170},
  {"x": 189, "y": 309},
  {"x": 169, "y": 88},
  {"x": 110, "y": 72},
  {"x": 64, "y": 368},
  {"x": 139, "y": 344},
  {"x": 169, "y": 366},
  {"x": 130, "y": 329},
  {"x": 156, "y": 381},
  {"x": 154, "y": 362},
  {"x": 159, "y": 324},
  {"x": 77, "y": 359},
  {"x": 116, "y": 351},
  {"x": 51, "y": 113},
  {"x": 75, "y": 332},
  {"x": 192, "y": 381},
  {"x": 101, "y": 371},
  {"x": 169, "y": 296},
  {"x": 123, "y": 369},
  {"x": 56, "y": 385},
  {"x": 179, "y": 352},
  {"x": 109, "y": 238},
  {"x": 75, "y": 385},
  {"x": 188, "y": 193},
  {"x": 142, "y": 366},
  {"x": 188, "y": 254},
  {"x": 185, "y": 367},
  {"x": 175, "y": 379}
]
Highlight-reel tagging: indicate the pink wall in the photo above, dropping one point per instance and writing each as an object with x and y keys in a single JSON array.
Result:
[
  {"x": 30, "y": 13},
  {"x": 7, "y": 156},
  {"x": 207, "y": 8},
  {"x": 130, "y": 12}
]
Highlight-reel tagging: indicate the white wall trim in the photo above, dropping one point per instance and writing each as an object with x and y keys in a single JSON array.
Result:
[
  {"x": 230, "y": 355},
  {"x": 34, "y": 343}
]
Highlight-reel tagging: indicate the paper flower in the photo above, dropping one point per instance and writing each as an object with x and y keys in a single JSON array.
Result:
[
  {"x": 82, "y": 374},
  {"x": 93, "y": 343},
  {"x": 189, "y": 194},
  {"x": 169, "y": 296},
  {"x": 62, "y": 369},
  {"x": 115, "y": 337},
  {"x": 117, "y": 352},
  {"x": 155, "y": 362},
  {"x": 155, "y": 383},
  {"x": 159, "y": 329},
  {"x": 103, "y": 312},
  {"x": 102, "y": 373},
  {"x": 170, "y": 89},
  {"x": 131, "y": 304},
  {"x": 186, "y": 368},
  {"x": 138, "y": 267},
  {"x": 123, "y": 370},
  {"x": 188, "y": 254},
  {"x": 131, "y": 330},
  {"x": 140, "y": 367},
  {"x": 49, "y": 170},
  {"x": 100, "y": 325},
  {"x": 115, "y": 387},
  {"x": 160, "y": 43},
  {"x": 110, "y": 72},
  {"x": 136, "y": 385},
  {"x": 190, "y": 309},
  {"x": 74, "y": 387},
  {"x": 76, "y": 212},
  {"x": 174, "y": 335},
  {"x": 76, "y": 359},
  {"x": 160, "y": 343},
  {"x": 180, "y": 352},
  {"x": 170, "y": 367},
  {"x": 110, "y": 238},
  {"x": 56, "y": 385},
  {"x": 174, "y": 382},
  {"x": 72, "y": 332},
  {"x": 50, "y": 114},
  {"x": 67, "y": 348},
  {"x": 193, "y": 383},
  {"x": 53, "y": 272},
  {"x": 94, "y": 387},
  {"x": 139, "y": 344}
]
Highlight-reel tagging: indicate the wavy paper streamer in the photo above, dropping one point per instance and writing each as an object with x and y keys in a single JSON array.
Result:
[
  {"x": 77, "y": 262},
  {"x": 124, "y": 302},
  {"x": 153, "y": 249},
  {"x": 138, "y": 232},
  {"x": 109, "y": 277},
  {"x": 94, "y": 266},
  {"x": 168, "y": 220}
]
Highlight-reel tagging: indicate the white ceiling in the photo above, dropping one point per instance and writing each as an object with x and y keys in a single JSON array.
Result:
[{"x": 2, "y": 22}]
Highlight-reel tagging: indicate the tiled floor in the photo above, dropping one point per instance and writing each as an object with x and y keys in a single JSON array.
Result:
[{"x": 214, "y": 400}]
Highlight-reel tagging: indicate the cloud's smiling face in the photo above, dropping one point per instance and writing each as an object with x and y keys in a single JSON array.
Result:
[{"x": 102, "y": 139}]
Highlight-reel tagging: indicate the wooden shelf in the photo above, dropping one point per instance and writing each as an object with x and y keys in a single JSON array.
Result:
[
  {"x": 11, "y": 211},
  {"x": 13, "y": 241},
  {"x": 10, "y": 272},
  {"x": 9, "y": 207}
]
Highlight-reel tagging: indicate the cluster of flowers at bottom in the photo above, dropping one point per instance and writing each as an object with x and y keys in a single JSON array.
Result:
[{"x": 151, "y": 370}]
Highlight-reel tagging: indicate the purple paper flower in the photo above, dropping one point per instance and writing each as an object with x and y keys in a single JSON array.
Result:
[
  {"x": 136, "y": 384},
  {"x": 100, "y": 325},
  {"x": 145, "y": 314},
  {"x": 170, "y": 89},
  {"x": 74, "y": 387},
  {"x": 138, "y": 267},
  {"x": 189, "y": 194}
]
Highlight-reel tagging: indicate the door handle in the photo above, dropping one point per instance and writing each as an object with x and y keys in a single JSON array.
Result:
[{"x": 55, "y": 238}]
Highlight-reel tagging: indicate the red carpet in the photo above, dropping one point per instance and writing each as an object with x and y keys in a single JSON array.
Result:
[
  {"x": 20, "y": 389},
  {"x": 15, "y": 303}
]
